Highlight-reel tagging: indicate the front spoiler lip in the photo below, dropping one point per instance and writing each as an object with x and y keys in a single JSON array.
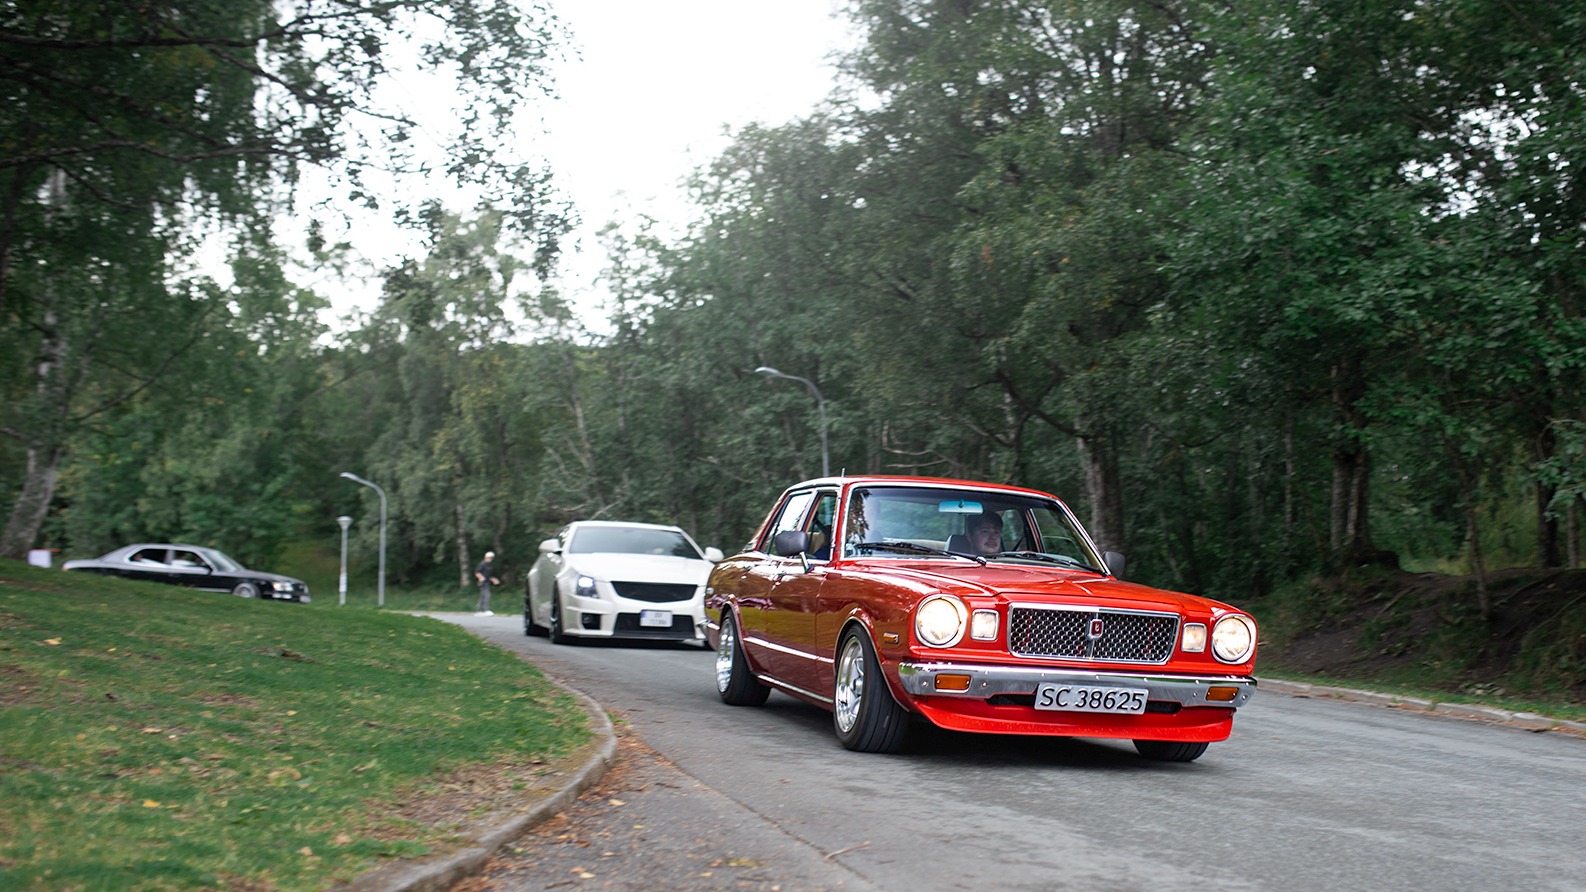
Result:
[{"x": 919, "y": 679}]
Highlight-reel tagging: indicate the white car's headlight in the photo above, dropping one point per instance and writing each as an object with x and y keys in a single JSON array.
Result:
[
  {"x": 584, "y": 587},
  {"x": 939, "y": 620},
  {"x": 1234, "y": 638}
]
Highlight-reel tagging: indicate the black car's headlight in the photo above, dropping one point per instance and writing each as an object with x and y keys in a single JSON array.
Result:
[
  {"x": 939, "y": 620},
  {"x": 1234, "y": 638},
  {"x": 281, "y": 586}
]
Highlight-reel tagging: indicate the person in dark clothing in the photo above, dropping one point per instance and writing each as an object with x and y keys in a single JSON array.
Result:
[{"x": 486, "y": 574}]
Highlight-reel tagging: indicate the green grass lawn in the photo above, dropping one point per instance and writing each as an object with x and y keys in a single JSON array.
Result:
[{"x": 157, "y": 738}]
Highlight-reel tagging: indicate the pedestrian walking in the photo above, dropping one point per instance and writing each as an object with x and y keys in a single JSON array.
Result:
[{"x": 486, "y": 574}]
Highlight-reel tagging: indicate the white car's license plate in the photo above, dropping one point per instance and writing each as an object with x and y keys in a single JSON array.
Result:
[
  {"x": 659, "y": 619},
  {"x": 1089, "y": 698}
]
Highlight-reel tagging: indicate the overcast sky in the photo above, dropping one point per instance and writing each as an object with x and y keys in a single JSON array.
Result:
[{"x": 647, "y": 95}]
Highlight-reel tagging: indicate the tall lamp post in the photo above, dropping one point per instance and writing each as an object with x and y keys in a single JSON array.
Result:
[
  {"x": 820, "y": 405},
  {"x": 341, "y": 582},
  {"x": 356, "y": 479}
]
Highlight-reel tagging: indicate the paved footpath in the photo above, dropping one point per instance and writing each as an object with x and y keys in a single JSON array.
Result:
[{"x": 649, "y": 826}]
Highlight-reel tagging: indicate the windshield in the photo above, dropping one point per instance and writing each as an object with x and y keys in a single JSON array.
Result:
[
  {"x": 906, "y": 522},
  {"x": 631, "y": 540},
  {"x": 222, "y": 561}
]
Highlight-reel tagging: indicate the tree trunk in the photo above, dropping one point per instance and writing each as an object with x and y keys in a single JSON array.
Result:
[
  {"x": 1350, "y": 515},
  {"x": 1099, "y": 457},
  {"x": 27, "y": 515},
  {"x": 464, "y": 565}
]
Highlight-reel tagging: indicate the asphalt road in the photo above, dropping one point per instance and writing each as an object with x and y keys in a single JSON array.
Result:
[{"x": 1309, "y": 794}]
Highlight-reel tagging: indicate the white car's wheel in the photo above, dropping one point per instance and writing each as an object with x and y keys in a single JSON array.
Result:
[{"x": 556, "y": 634}]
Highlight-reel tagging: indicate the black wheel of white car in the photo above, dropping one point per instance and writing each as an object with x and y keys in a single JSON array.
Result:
[
  {"x": 864, "y": 714},
  {"x": 734, "y": 682},
  {"x": 529, "y": 628},
  {"x": 1169, "y": 750},
  {"x": 246, "y": 590},
  {"x": 556, "y": 634}
]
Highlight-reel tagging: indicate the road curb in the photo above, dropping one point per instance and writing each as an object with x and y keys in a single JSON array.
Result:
[
  {"x": 1529, "y": 721},
  {"x": 489, "y": 834}
]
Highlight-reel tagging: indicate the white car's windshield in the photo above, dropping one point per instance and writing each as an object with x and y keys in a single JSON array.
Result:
[
  {"x": 905, "y": 522},
  {"x": 631, "y": 540}
]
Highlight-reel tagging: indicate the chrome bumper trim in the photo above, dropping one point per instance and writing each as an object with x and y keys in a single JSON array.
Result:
[{"x": 985, "y": 682}]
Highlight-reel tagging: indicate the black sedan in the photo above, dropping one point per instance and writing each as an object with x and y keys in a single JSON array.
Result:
[{"x": 195, "y": 567}]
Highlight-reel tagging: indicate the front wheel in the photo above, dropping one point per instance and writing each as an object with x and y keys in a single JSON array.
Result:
[
  {"x": 246, "y": 590},
  {"x": 556, "y": 634},
  {"x": 1170, "y": 750},
  {"x": 864, "y": 714},
  {"x": 529, "y": 628},
  {"x": 734, "y": 682}
]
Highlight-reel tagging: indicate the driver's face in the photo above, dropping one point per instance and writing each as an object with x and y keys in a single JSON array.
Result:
[{"x": 987, "y": 539}]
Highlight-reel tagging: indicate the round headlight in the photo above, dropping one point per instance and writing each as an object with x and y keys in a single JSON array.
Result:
[
  {"x": 939, "y": 620},
  {"x": 1234, "y": 638}
]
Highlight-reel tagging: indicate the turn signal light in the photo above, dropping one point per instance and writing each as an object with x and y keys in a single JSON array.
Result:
[
  {"x": 958, "y": 683},
  {"x": 1221, "y": 693}
]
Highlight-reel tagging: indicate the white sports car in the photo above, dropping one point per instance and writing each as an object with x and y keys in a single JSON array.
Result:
[{"x": 606, "y": 579}]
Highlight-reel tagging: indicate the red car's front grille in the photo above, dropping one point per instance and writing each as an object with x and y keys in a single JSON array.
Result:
[{"x": 1068, "y": 633}]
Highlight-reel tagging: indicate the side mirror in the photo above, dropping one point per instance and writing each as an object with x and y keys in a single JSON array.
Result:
[
  {"x": 550, "y": 546},
  {"x": 790, "y": 542},
  {"x": 1115, "y": 563},
  {"x": 714, "y": 555}
]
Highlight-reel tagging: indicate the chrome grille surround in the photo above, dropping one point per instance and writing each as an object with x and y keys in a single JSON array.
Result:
[{"x": 1065, "y": 632}]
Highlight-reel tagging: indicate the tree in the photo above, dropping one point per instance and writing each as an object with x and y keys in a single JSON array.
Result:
[{"x": 130, "y": 124}]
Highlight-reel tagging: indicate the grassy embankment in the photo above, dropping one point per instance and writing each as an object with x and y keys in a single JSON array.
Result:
[{"x": 157, "y": 738}]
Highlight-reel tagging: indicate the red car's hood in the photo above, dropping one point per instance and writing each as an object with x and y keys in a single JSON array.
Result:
[{"x": 1023, "y": 581}]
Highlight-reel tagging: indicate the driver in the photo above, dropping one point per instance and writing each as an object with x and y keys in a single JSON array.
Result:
[{"x": 985, "y": 533}]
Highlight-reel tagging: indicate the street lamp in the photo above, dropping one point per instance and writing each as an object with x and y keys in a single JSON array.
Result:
[
  {"x": 356, "y": 479},
  {"x": 341, "y": 582},
  {"x": 820, "y": 405}
]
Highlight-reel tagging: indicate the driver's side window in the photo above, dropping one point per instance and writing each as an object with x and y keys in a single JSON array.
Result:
[{"x": 789, "y": 519}]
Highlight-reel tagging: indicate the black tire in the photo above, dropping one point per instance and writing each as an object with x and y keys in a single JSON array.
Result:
[
  {"x": 734, "y": 682},
  {"x": 864, "y": 715},
  {"x": 246, "y": 590},
  {"x": 1170, "y": 750},
  {"x": 556, "y": 634},
  {"x": 529, "y": 628}
]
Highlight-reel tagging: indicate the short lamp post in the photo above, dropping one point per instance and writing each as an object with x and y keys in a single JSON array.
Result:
[
  {"x": 820, "y": 406},
  {"x": 341, "y": 581},
  {"x": 380, "y": 589}
]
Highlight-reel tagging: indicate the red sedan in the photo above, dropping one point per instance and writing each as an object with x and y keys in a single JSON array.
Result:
[{"x": 982, "y": 608}]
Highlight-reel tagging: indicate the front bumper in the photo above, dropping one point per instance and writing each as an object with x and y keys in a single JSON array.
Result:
[{"x": 986, "y": 682}]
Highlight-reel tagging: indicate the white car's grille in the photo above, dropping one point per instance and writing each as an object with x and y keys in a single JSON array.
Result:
[
  {"x": 654, "y": 592},
  {"x": 1069, "y": 633}
]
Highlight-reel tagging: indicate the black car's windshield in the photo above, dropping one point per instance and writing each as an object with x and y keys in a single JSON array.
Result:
[
  {"x": 631, "y": 540},
  {"x": 904, "y": 521}
]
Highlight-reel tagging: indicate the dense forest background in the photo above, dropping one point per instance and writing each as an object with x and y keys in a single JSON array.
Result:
[{"x": 1264, "y": 289}]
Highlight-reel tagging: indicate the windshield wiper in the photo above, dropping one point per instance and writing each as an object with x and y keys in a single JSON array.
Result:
[
  {"x": 911, "y": 548},
  {"x": 1047, "y": 558}
]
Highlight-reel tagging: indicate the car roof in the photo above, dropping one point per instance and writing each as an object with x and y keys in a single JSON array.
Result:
[
  {"x": 624, "y": 523},
  {"x": 904, "y": 480}
]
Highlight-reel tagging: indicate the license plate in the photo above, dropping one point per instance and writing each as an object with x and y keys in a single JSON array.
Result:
[
  {"x": 659, "y": 619},
  {"x": 1087, "y": 698}
]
